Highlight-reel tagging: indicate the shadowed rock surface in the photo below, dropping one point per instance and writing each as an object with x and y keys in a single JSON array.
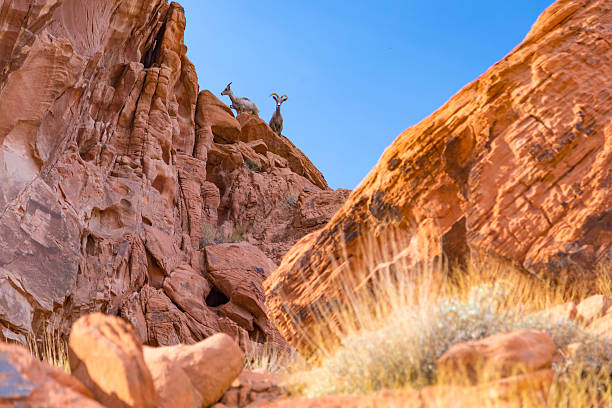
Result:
[
  {"x": 115, "y": 170},
  {"x": 516, "y": 166}
]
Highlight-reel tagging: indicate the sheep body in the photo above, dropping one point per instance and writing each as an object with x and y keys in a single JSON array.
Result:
[
  {"x": 241, "y": 105},
  {"x": 276, "y": 123}
]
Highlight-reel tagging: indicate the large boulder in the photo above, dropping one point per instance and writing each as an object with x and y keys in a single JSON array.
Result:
[
  {"x": 26, "y": 382},
  {"x": 237, "y": 272},
  {"x": 516, "y": 166},
  {"x": 194, "y": 376},
  {"x": 502, "y": 355},
  {"x": 214, "y": 114},
  {"x": 106, "y": 355},
  {"x": 593, "y": 308}
]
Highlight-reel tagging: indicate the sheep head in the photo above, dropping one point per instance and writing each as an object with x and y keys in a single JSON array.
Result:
[
  {"x": 227, "y": 89},
  {"x": 279, "y": 99}
]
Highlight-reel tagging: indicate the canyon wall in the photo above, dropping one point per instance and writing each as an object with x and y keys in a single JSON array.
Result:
[{"x": 123, "y": 189}]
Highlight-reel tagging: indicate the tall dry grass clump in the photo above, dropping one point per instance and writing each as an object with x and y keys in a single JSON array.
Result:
[
  {"x": 51, "y": 348},
  {"x": 398, "y": 317}
]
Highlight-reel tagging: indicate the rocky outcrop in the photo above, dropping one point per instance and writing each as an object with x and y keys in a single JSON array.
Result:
[
  {"x": 516, "y": 166},
  {"x": 115, "y": 169}
]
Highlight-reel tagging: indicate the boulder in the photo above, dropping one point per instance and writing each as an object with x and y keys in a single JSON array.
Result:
[
  {"x": 593, "y": 308},
  {"x": 26, "y": 382},
  {"x": 194, "y": 376},
  {"x": 106, "y": 356},
  {"x": 254, "y": 389},
  {"x": 565, "y": 311},
  {"x": 501, "y": 355},
  {"x": 213, "y": 113},
  {"x": 602, "y": 327},
  {"x": 237, "y": 271},
  {"x": 513, "y": 167}
]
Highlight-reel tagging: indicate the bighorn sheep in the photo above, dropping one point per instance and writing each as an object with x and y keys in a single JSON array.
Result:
[
  {"x": 276, "y": 123},
  {"x": 240, "y": 104}
]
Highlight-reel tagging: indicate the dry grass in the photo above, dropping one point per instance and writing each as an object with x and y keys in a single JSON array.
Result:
[
  {"x": 212, "y": 236},
  {"x": 268, "y": 358},
  {"x": 50, "y": 348},
  {"x": 398, "y": 319}
]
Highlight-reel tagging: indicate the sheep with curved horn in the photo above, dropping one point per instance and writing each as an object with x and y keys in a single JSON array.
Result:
[
  {"x": 240, "y": 104},
  {"x": 276, "y": 123}
]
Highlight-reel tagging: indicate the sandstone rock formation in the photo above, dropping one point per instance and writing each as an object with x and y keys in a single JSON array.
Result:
[
  {"x": 253, "y": 389},
  {"x": 516, "y": 166},
  {"x": 26, "y": 382},
  {"x": 105, "y": 354},
  {"x": 196, "y": 375},
  {"x": 521, "y": 351},
  {"x": 113, "y": 164}
]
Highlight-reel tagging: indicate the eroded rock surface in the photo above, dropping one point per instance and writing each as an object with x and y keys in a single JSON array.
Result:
[
  {"x": 114, "y": 167},
  {"x": 106, "y": 356},
  {"x": 516, "y": 166},
  {"x": 27, "y": 382}
]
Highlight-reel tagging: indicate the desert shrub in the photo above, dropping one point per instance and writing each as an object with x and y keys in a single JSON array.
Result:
[
  {"x": 269, "y": 358},
  {"x": 292, "y": 200},
  {"x": 403, "y": 350},
  {"x": 237, "y": 234},
  {"x": 212, "y": 236},
  {"x": 253, "y": 166},
  {"x": 399, "y": 320}
]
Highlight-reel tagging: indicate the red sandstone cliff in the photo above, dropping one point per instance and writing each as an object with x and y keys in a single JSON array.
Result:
[
  {"x": 517, "y": 165},
  {"x": 112, "y": 165}
]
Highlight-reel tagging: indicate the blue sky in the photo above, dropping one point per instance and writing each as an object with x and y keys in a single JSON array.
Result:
[{"x": 357, "y": 73}]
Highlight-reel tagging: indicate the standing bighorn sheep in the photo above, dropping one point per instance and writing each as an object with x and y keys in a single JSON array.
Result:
[
  {"x": 240, "y": 104},
  {"x": 276, "y": 123}
]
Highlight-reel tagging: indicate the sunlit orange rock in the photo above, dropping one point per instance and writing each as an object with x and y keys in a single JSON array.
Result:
[
  {"x": 516, "y": 166},
  {"x": 106, "y": 355},
  {"x": 197, "y": 375},
  {"x": 518, "y": 352},
  {"x": 27, "y": 382},
  {"x": 593, "y": 308}
]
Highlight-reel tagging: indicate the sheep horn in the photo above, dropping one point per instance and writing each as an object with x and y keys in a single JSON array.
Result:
[{"x": 284, "y": 97}]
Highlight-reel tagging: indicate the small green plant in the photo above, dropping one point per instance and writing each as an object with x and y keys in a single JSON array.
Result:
[{"x": 253, "y": 166}]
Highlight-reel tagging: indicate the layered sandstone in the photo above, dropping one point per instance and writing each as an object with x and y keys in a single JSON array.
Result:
[
  {"x": 113, "y": 166},
  {"x": 516, "y": 166}
]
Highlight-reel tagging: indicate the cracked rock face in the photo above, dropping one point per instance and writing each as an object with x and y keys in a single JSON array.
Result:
[
  {"x": 113, "y": 166},
  {"x": 517, "y": 166}
]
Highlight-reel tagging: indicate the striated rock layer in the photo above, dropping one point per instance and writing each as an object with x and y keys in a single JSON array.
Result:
[
  {"x": 116, "y": 173},
  {"x": 516, "y": 166}
]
